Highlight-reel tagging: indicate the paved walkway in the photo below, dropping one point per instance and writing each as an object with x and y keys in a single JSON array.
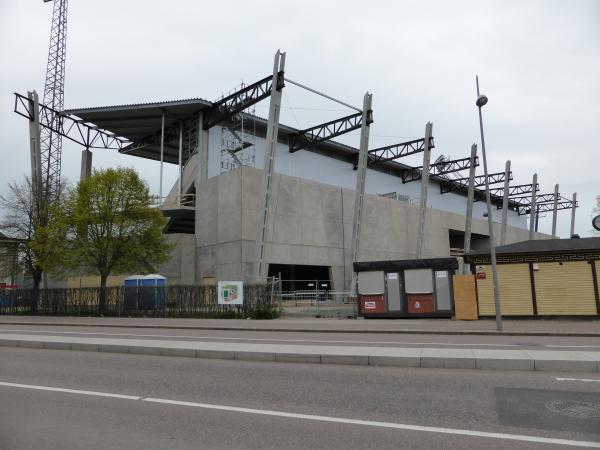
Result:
[
  {"x": 464, "y": 358},
  {"x": 533, "y": 327}
]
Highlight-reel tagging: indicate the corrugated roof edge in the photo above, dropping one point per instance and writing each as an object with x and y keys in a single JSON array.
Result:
[
  {"x": 139, "y": 105},
  {"x": 449, "y": 263},
  {"x": 544, "y": 246}
]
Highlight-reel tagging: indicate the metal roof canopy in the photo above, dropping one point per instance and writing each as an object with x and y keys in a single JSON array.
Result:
[{"x": 138, "y": 121}]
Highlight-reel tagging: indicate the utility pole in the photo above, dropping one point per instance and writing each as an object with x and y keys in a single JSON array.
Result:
[
  {"x": 470, "y": 194},
  {"x": 424, "y": 189},
  {"x": 505, "y": 203},
  {"x": 533, "y": 211},
  {"x": 261, "y": 264},
  {"x": 361, "y": 176},
  {"x": 481, "y": 101},
  {"x": 555, "y": 211}
]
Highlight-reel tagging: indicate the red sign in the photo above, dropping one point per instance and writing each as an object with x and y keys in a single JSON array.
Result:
[
  {"x": 481, "y": 275},
  {"x": 372, "y": 304}
]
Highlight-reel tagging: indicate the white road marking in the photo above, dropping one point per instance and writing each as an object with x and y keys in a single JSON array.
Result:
[
  {"x": 573, "y": 346},
  {"x": 261, "y": 339},
  {"x": 70, "y": 391},
  {"x": 266, "y": 412},
  {"x": 585, "y": 380}
]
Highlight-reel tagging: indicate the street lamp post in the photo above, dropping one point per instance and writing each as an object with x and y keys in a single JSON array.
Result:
[{"x": 481, "y": 101}]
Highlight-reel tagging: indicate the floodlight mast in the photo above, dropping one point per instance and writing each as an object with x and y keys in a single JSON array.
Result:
[{"x": 54, "y": 93}]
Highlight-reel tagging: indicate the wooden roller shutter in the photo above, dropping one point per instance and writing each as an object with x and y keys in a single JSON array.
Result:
[
  {"x": 565, "y": 289},
  {"x": 515, "y": 291}
]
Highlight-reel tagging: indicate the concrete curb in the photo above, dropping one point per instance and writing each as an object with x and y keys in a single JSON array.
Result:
[
  {"x": 317, "y": 330},
  {"x": 510, "y": 360}
]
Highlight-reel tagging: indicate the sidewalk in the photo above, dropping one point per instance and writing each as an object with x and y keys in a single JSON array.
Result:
[
  {"x": 514, "y": 327},
  {"x": 521, "y": 360}
]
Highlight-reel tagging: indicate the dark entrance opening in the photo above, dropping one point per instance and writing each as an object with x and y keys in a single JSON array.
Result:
[
  {"x": 479, "y": 242},
  {"x": 297, "y": 277}
]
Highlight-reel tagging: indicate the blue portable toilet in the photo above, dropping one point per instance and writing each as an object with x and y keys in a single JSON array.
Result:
[
  {"x": 130, "y": 297},
  {"x": 152, "y": 298}
]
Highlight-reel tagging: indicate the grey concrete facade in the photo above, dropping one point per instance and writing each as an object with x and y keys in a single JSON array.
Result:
[
  {"x": 312, "y": 225},
  {"x": 180, "y": 269}
]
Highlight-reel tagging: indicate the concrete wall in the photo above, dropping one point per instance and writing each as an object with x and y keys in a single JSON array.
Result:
[
  {"x": 312, "y": 224},
  {"x": 181, "y": 266}
]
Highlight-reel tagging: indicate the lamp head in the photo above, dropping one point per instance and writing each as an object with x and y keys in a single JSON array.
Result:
[{"x": 481, "y": 101}]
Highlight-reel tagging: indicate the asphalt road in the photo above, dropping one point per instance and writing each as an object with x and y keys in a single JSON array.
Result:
[
  {"x": 238, "y": 404},
  {"x": 315, "y": 338}
]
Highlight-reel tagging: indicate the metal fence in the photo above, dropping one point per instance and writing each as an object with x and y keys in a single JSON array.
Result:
[
  {"x": 260, "y": 302},
  {"x": 317, "y": 301}
]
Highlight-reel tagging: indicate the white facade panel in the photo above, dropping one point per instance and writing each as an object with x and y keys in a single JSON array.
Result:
[{"x": 323, "y": 169}]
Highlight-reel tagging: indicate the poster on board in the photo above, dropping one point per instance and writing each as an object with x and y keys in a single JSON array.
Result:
[{"x": 231, "y": 292}]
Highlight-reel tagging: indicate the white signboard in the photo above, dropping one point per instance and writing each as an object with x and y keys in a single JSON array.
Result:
[{"x": 231, "y": 292}]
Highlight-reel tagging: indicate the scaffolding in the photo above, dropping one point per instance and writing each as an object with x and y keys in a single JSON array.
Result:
[{"x": 238, "y": 139}]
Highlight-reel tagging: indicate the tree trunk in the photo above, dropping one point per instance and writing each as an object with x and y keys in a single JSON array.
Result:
[
  {"x": 102, "y": 298},
  {"x": 37, "y": 278}
]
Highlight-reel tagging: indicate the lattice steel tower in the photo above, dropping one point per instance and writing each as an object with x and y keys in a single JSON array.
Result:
[{"x": 54, "y": 93}]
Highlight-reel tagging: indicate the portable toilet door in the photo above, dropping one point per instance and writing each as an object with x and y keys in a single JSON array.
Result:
[
  {"x": 130, "y": 300},
  {"x": 153, "y": 292}
]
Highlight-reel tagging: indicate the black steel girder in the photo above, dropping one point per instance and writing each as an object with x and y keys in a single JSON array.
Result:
[
  {"x": 518, "y": 189},
  {"x": 238, "y": 101},
  {"x": 440, "y": 168},
  {"x": 563, "y": 203},
  {"x": 478, "y": 181},
  {"x": 525, "y": 200},
  {"x": 75, "y": 130},
  {"x": 326, "y": 131},
  {"x": 395, "y": 151}
]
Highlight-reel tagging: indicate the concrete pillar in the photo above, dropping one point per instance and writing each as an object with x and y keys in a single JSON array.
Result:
[
  {"x": 35, "y": 153},
  {"x": 555, "y": 211},
  {"x": 533, "y": 212},
  {"x": 261, "y": 262},
  {"x": 361, "y": 176},
  {"x": 162, "y": 154},
  {"x": 505, "y": 203},
  {"x": 424, "y": 190},
  {"x": 470, "y": 195},
  {"x": 86, "y": 164},
  {"x": 573, "y": 208}
]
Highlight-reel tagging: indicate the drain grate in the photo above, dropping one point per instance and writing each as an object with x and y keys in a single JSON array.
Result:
[{"x": 582, "y": 410}]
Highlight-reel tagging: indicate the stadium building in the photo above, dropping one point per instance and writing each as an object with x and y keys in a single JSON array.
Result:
[{"x": 214, "y": 208}]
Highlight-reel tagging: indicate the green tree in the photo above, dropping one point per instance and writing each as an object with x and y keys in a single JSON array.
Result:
[
  {"x": 23, "y": 250},
  {"x": 109, "y": 227}
]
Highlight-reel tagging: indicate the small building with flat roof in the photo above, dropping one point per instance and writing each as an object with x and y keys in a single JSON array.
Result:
[{"x": 551, "y": 277}]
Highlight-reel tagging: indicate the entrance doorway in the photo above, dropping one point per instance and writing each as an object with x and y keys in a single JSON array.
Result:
[{"x": 299, "y": 277}]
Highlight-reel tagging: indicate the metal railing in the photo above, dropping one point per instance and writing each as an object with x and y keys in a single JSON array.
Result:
[
  {"x": 316, "y": 299},
  {"x": 260, "y": 301}
]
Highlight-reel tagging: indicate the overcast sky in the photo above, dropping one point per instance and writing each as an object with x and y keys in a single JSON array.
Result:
[{"x": 538, "y": 62}]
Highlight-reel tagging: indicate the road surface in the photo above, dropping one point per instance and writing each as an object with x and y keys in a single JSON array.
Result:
[{"x": 64, "y": 400}]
